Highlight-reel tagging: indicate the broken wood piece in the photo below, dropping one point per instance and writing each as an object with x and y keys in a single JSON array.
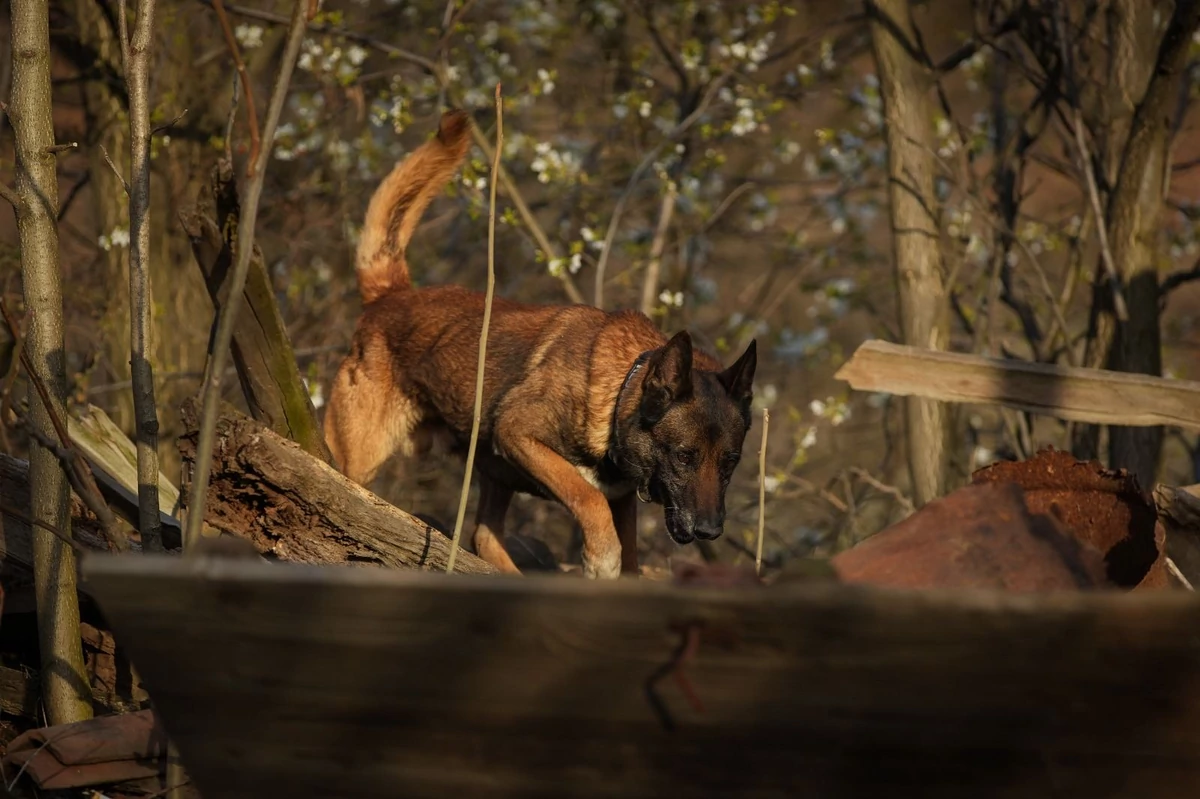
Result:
[
  {"x": 1094, "y": 396},
  {"x": 98, "y": 751},
  {"x": 1179, "y": 512},
  {"x": 295, "y": 507},
  {"x": 397, "y": 683},
  {"x": 113, "y": 458},
  {"x": 262, "y": 350}
]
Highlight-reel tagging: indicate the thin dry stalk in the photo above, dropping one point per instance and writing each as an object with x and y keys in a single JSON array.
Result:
[
  {"x": 654, "y": 267},
  {"x": 483, "y": 333},
  {"x": 251, "y": 114},
  {"x": 137, "y": 81},
  {"x": 245, "y": 246},
  {"x": 762, "y": 492}
]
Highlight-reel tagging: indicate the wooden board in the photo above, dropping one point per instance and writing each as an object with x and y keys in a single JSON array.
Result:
[
  {"x": 1095, "y": 396},
  {"x": 305, "y": 681}
]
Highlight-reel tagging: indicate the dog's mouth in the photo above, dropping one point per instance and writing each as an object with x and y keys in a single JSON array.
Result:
[{"x": 679, "y": 532}]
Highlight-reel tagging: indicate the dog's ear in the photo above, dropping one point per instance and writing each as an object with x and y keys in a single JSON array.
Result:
[
  {"x": 668, "y": 377},
  {"x": 739, "y": 378}
]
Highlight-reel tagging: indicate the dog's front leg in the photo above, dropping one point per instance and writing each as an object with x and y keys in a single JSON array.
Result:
[
  {"x": 624, "y": 513},
  {"x": 601, "y": 547}
]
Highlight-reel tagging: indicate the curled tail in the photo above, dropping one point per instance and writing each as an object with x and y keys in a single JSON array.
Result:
[{"x": 398, "y": 203}]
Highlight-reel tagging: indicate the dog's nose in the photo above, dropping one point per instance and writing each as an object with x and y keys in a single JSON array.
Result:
[{"x": 708, "y": 531}]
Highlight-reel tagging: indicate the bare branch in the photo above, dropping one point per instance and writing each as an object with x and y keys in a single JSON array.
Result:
[
  {"x": 251, "y": 114},
  {"x": 619, "y": 209},
  {"x": 108, "y": 160},
  {"x": 11, "y": 195},
  {"x": 245, "y": 247}
]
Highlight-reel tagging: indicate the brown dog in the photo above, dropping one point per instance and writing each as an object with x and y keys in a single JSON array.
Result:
[{"x": 588, "y": 408}]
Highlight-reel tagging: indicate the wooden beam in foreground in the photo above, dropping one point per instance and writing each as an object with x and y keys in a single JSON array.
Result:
[
  {"x": 1095, "y": 396},
  {"x": 306, "y": 681}
]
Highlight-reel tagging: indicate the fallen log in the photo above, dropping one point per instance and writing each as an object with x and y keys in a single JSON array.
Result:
[{"x": 295, "y": 507}]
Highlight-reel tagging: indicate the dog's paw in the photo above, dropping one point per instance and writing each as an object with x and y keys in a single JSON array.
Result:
[{"x": 605, "y": 566}]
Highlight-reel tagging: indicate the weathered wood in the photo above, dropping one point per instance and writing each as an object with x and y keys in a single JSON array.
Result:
[
  {"x": 289, "y": 504},
  {"x": 1179, "y": 510},
  {"x": 113, "y": 458},
  {"x": 262, "y": 350},
  {"x": 1097, "y": 396},
  {"x": 310, "y": 681}
]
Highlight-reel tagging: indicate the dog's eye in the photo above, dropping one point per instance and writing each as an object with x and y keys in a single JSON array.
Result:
[
  {"x": 685, "y": 457},
  {"x": 729, "y": 463}
]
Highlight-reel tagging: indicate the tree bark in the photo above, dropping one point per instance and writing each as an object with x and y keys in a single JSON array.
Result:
[
  {"x": 137, "y": 78},
  {"x": 1133, "y": 215},
  {"x": 262, "y": 349},
  {"x": 64, "y": 681},
  {"x": 924, "y": 308},
  {"x": 296, "y": 507}
]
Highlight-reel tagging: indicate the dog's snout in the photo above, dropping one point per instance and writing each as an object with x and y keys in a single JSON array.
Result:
[{"x": 709, "y": 530}]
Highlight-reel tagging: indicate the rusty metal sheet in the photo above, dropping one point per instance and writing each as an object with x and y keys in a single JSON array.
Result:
[
  {"x": 1102, "y": 507},
  {"x": 981, "y": 536}
]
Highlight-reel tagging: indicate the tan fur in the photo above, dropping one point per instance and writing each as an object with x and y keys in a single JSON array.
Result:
[{"x": 551, "y": 382}]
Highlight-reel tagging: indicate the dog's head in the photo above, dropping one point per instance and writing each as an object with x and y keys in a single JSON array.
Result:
[{"x": 684, "y": 436}]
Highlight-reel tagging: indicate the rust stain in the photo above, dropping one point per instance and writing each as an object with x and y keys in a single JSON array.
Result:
[{"x": 1101, "y": 507}]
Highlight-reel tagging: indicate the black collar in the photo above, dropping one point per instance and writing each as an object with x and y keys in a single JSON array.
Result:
[{"x": 633, "y": 370}]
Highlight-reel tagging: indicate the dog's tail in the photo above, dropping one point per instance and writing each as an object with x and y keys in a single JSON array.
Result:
[{"x": 398, "y": 203}]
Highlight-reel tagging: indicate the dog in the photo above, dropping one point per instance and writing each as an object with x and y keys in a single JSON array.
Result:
[{"x": 592, "y": 409}]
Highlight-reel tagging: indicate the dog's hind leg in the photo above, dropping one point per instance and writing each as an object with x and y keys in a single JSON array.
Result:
[
  {"x": 368, "y": 419},
  {"x": 488, "y": 538}
]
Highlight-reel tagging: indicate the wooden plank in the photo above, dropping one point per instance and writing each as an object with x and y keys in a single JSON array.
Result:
[
  {"x": 305, "y": 681},
  {"x": 113, "y": 458},
  {"x": 1096, "y": 396}
]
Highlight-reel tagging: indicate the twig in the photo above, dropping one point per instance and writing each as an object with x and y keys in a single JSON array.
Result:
[
  {"x": 1085, "y": 164},
  {"x": 762, "y": 491},
  {"x": 483, "y": 333},
  {"x": 108, "y": 160},
  {"x": 137, "y": 82},
  {"x": 10, "y": 194},
  {"x": 874, "y": 482},
  {"x": 1174, "y": 569},
  {"x": 228, "y": 313},
  {"x": 619, "y": 209},
  {"x": 251, "y": 115},
  {"x": 168, "y": 125},
  {"x": 65, "y": 147},
  {"x": 9, "y": 510}
]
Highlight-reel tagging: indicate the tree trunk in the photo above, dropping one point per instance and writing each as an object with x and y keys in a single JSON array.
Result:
[
  {"x": 137, "y": 78},
  {"x": 64, "y": 681},
  {"x": 1133, "y": 215},
  {"x": 924, "y": 308}
]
